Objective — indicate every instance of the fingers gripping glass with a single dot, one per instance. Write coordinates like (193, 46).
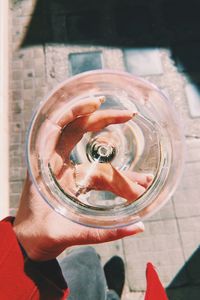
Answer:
(105, 149)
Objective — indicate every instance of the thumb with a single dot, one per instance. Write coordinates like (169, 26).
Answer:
(130, 230)
(106, 235)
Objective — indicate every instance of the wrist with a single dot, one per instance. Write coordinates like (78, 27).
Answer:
(25, 239)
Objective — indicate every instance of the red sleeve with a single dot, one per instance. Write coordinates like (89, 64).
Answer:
(155, 290)
(24, 279)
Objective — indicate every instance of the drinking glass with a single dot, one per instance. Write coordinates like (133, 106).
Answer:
(149, 144)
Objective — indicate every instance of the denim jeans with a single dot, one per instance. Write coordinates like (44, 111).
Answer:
(85, 276)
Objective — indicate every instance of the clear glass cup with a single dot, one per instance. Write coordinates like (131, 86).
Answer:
(151, 142)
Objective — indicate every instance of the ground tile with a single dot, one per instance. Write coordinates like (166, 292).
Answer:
(189, 233)
(143, 61)
(81, 62)
(192, 150)
(156, 244)
(193, 96)
(186, 197)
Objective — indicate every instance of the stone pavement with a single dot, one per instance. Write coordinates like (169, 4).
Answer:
(159, 42)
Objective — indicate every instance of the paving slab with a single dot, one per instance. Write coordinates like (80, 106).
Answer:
(160, 244)
(85, 61)
(189, 232)
(143, 61)
(193, 96)
(192, 149)
(186, 198)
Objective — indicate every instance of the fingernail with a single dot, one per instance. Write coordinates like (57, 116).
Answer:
(140, 226)
(102, 99)
(134, 114)
(150, 177)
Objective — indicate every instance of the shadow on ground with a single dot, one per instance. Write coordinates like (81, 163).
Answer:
(172, 24)
(186, 284)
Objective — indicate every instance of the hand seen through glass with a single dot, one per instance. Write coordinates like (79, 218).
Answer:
(43, 233)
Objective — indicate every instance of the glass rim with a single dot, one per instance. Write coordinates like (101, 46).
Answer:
(85, 218)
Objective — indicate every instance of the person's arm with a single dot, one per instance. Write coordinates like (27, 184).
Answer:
(24, 279)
